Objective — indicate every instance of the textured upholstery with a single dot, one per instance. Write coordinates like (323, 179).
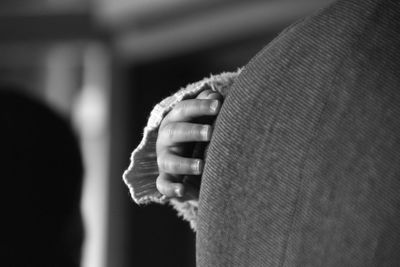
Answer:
(304, 165)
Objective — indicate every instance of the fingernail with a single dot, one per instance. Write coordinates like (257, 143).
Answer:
(214, 106)
(206, 132)
(198, 166)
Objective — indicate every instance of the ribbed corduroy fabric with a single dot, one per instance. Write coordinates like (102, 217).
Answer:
(304, 165)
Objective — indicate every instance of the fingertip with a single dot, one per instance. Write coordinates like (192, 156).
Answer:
(179, 190)
(204, 94)
(206, 132)
(168, 188)
(197, 166)
(214, 95)
(164, 186)
(214, 106)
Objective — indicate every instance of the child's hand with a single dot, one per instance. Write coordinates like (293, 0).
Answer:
(174, 146)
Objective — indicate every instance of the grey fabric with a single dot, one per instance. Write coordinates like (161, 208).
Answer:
(304, 165)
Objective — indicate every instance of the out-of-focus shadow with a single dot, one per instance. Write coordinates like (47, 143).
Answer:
(41, 174)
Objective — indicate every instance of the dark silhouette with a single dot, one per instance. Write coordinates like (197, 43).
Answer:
(41, 174)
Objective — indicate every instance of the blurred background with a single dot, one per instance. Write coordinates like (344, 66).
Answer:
(104, 64)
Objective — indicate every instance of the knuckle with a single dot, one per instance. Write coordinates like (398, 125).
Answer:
(159, 145)
(174, 166)
(161, 186)
(182, 107)
(168, 131)
(161, 163)
(168, 135)
(160, 140)
(165, 164)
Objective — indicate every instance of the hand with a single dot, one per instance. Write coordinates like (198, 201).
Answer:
(177, 133)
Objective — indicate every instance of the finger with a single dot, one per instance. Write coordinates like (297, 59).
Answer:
(168, 187)
(187, 110)
(209, 94)
(176, 165)
(178, 132)
(204, 94)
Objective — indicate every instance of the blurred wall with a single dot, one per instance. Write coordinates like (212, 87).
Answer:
(105, 64)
